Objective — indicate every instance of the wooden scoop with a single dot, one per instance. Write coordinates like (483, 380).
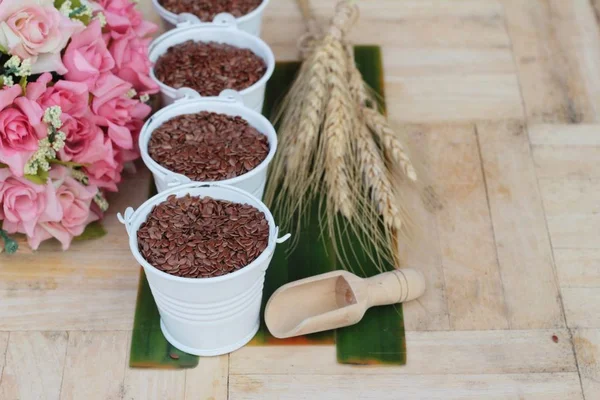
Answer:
(336, 299)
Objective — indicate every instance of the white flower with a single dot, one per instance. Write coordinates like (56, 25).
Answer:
(7, 80)
(102, 18)
(39, 160)
(31, 167)
(80, 176)
(101, 201)
(82, 11)
(59, 141)
(131, 93)
(25, 68)
(52, 116)
(65, 8)
(144, 98)
(13, 62)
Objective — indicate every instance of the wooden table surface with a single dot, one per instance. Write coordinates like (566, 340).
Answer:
(503, 98)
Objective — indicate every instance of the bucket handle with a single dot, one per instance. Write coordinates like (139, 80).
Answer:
(224, 20)
(186, 93)
(278, 240)
(126, 219)
(283, 239)
(231, 95)
(226, 96)
(176, 180)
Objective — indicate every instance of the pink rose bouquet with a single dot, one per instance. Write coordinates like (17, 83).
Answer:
(74, 83)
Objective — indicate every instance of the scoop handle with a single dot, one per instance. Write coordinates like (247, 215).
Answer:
(398, 286)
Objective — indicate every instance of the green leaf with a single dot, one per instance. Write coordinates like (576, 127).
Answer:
(94, 230)
(10, 245)
(3, 165)
(74, 3)
(41, 178)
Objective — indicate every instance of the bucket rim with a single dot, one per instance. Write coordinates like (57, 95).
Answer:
(182, 189)
(172, 17)
(194, 32)
(146, 134)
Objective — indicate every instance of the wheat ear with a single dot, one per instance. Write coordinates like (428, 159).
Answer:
(392, 144)
(340, 120)
(306, 126)
(376, 179)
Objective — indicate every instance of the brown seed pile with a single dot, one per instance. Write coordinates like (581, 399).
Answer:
(208, 146)
(206, 10)
(209, 67)
(200, 237)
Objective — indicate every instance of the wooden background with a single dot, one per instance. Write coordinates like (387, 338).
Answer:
(503, 98)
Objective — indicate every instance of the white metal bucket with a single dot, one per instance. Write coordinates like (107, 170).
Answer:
(229, 103)
(251, 22)
(206, 316)
(222, 30)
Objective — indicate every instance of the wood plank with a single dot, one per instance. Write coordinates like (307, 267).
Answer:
(578, 267)
(95, 366)
(465, 352)
(564, 135)
(581, 307)
(409, 25)
(554, 386)
(554, 162)
(394, 9)
(524, 250)
(556, 44)
(152, 384)
(431, 60)
(209, 380)
(587, 349)
(34, 365)
(73, 309)
(112, 270)
(473, 283)
(573, 211)
(453, 98)
(575, 231)
(423, 251)
(564, 197)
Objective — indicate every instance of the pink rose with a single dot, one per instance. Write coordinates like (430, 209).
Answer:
(85, 142)
(74, 200)
(87, 57)
(71, 97)
(21, 127)
(24, 204)
(126, 155)
(131, 62)
(37, 88)
(121, 16)
(115, 110)
(36, 30)
(104, 174)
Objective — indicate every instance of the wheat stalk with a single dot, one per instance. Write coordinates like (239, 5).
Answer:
(340, 120)
(305, 127)
(376, 179)
(392, 144)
